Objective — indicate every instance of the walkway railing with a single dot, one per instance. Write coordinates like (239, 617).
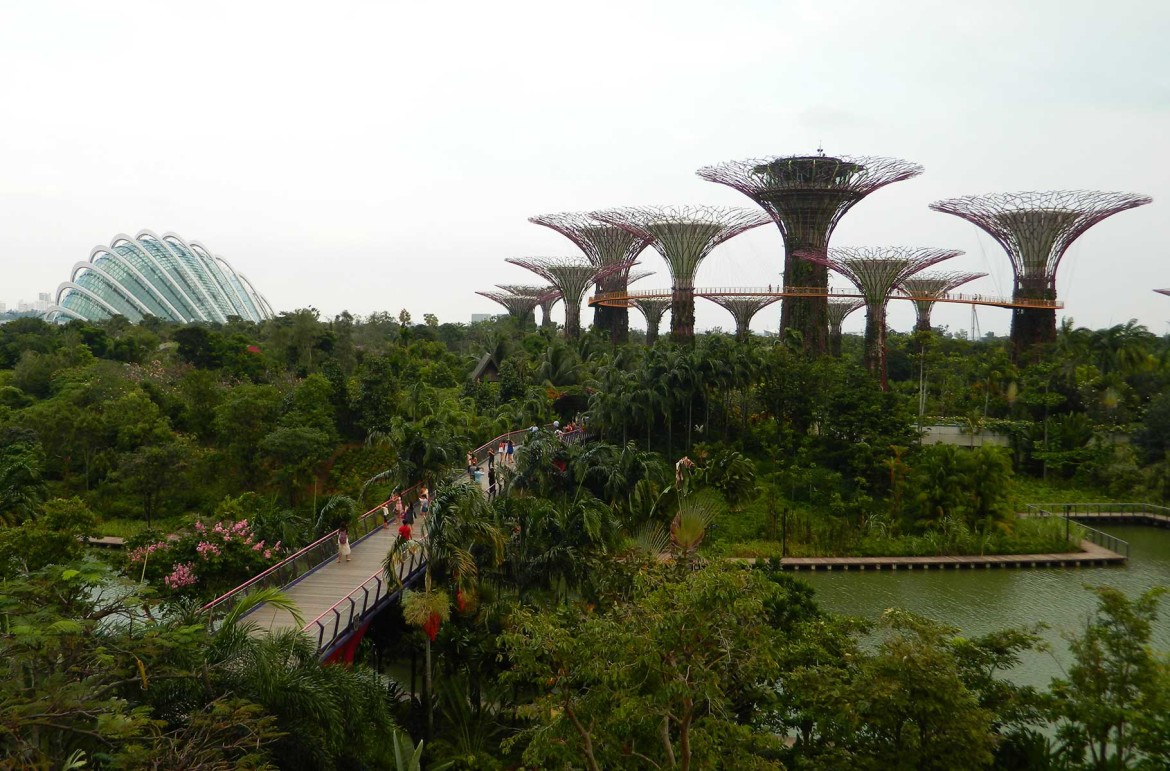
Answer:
(374, 592)
(623, 298)
(1066, 512)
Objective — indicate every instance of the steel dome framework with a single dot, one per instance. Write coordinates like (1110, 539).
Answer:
(152, 275)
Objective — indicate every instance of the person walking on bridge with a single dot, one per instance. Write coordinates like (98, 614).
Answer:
(343, 549)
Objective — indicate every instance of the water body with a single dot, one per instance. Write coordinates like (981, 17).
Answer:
(983, 600)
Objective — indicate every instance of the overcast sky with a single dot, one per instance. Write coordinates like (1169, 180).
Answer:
(380, 155)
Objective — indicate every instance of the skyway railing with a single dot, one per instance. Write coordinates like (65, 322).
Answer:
(1070, 511)
(627, 297)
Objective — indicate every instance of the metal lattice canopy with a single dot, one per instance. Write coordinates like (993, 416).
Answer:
(571, 276)
(1163, 291)
(520, 306)
(603, 244)
(806, 196)
(742, 309)
(539, 293)
(875, 271)
(653, 309)
(924, 290)
(839, 310)
(684, 236)
(1037, 228)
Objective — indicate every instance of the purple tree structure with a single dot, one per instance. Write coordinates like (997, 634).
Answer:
(925, 289)
(1163, 291)
(653, 308)
(546, 297)
(742, 309)
(1036, 229)
(571, 276)
(875, 271)
(519, 306)
(604, 245)
(684, 236)
(839, 310)
(807, 196)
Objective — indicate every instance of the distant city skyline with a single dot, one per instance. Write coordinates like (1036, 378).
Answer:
(372, 157)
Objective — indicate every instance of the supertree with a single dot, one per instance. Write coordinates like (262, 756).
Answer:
(925, 289)
(519, 306)
(1036, 229)
(839, 310)
(684, 236)
(653, 308)
(807, 196)
(875, 271)
(546, 297)
(1163, 291)
(571, 276)
(604, 245)
(742, 309)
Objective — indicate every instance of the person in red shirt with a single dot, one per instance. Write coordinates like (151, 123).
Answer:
(404, 532)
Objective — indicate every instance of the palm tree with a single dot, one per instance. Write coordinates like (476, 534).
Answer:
(461, 523)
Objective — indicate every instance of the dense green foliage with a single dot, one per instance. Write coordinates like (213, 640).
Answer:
(581, 618)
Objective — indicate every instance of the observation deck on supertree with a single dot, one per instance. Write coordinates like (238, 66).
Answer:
(839, 310)
(742, 309)
(571, 276)
(924, 291)
(684, 236)
(519, 306)
(806, 196)
(546, 297)
(1036, 229)
(604, 245)
(876, 271)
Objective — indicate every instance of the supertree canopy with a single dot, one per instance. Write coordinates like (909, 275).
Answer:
(546, 298)
(684, 236)
(742, 309)
(806, 196)
(1163, 291)
(518, 305)
(604, 245)
(839, 310)
(653, 308)
(571, 276)
(875, 271)
(1036, 229)
(925, 289)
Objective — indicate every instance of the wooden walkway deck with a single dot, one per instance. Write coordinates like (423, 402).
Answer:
(1091, 556)
(1133, 517)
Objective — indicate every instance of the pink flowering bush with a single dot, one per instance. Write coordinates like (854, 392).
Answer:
(205, 561)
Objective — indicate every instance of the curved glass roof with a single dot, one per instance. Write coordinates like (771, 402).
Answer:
(164, 276)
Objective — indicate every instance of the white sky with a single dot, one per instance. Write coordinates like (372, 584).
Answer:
(380, 155)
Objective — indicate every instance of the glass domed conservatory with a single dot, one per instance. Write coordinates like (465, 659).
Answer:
(151, 275)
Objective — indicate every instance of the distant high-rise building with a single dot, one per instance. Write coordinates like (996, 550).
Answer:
(478, 317)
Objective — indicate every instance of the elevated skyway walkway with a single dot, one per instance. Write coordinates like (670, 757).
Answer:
(624, 299)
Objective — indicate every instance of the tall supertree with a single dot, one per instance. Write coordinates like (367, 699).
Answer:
(571, 276)
(684, 236)
(807, 196)
(742, 309)
(875, 271)
(653, 308)
(604, 245)
(1036, 229)
(519, 306)
(546, 297)
(925, 289)
(839, 310)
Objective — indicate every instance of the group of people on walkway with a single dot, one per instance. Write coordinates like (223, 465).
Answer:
(403, 514)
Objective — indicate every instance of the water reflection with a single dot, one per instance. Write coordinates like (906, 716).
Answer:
(980, 601)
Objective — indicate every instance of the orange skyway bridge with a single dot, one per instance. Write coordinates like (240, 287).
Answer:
(627, 298)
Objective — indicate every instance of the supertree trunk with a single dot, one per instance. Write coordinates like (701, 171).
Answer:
(682, 315)
(808, 316)
(875, 343)
(1033, 326)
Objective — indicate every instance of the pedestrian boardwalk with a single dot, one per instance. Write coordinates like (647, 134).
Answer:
(317, 592)
(1091, 555)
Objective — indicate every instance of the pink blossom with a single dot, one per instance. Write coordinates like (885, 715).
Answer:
(257, 547)
(267, 554)
(182, 574)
